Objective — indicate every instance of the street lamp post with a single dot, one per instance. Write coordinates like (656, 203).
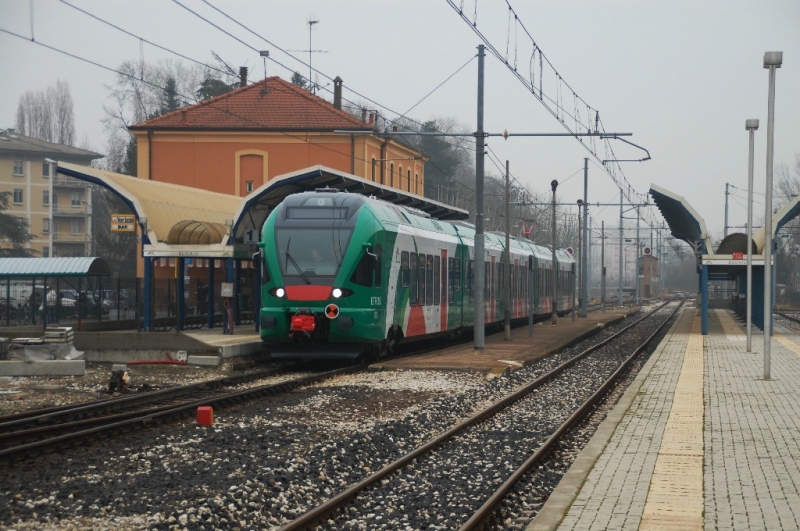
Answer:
(554, 319)
(752, 126)
(772, 60)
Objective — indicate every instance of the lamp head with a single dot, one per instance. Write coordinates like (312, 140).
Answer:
(773, 59)
(751, 124)
(554, 185)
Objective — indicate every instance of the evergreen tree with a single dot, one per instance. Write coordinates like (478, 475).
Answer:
(170, 101)
(13, 231)
(300, 81)
(131, 158)
(211, 87)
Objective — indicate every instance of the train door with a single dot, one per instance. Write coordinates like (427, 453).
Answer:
(493, 290)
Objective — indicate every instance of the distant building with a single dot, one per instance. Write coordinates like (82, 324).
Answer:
(236, 142)
(58, 209)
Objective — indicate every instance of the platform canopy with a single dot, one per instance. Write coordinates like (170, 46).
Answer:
(53, 267)
(787, 213)
(190, 215)
(683, 220)
(255, 208)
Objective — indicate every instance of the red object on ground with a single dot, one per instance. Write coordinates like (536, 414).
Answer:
(303, 323)
(157, 362)
(205, 415)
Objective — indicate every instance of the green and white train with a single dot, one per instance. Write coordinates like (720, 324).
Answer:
(347, 276)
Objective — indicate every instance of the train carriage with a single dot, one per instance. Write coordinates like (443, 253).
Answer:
(346, 275)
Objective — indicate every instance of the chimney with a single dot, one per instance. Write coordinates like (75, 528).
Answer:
(337, 93)
(363, 114)
(242, 76)
(372, 117)
(394, 128)
(184, 117)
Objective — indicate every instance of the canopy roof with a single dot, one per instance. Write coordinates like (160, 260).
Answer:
(53, 267)
(255, 208)
(683, 220)
(786, 214)
(160, 206)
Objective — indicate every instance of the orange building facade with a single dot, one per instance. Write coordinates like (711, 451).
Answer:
(236, 142)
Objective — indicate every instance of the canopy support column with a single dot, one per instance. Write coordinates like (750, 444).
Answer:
(148, 292)
(181, 289)
(211, 263)
(704, 297)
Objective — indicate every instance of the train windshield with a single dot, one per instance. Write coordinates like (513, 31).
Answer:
(311, 255)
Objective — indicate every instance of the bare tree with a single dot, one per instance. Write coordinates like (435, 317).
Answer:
(48, 115)
(139, 93)
(787, 180)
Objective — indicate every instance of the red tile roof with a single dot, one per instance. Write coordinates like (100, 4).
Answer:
(272, 104)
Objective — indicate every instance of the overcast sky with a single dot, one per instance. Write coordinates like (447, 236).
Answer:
(681, 76)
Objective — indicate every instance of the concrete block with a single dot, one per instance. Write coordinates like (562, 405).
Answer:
(206, 361)
(43, 368)
(241, 349)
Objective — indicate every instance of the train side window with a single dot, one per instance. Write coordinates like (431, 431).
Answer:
(457, 274)
(497, 270)
(487, 280)
(451, 278)
(469, 278)
(404, 272)
(413, 295)
(429, 281)
(437, 280)
(363, 273)
(421, 280)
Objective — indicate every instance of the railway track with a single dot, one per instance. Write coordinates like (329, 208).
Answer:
(30, 433)
(385, 490)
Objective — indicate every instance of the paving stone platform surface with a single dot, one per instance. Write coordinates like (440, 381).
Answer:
(700, 440)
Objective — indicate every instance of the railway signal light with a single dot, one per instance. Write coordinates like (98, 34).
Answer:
(647, 251)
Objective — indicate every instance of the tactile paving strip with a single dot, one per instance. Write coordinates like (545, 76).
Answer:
(675, 498)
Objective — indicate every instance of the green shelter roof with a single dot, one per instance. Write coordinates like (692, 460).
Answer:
(53, 267)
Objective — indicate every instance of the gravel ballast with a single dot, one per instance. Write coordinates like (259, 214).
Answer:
(266, 462)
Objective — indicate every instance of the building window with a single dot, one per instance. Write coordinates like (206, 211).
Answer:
(76, 199)
(45, 251)
(249, 185)
(400, 177)
(46, 226)
(46, 167)
(409, 180)
(373, 168)
(46, 197)
(55, 229)
(416, 183)
(18, 197)
(391, 174)
(76, 226)
(18, 167)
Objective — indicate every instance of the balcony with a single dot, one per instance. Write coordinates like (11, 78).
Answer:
(67, 237)
(69, 182)
(69, 210)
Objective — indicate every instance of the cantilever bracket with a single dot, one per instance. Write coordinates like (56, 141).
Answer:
(604, 137)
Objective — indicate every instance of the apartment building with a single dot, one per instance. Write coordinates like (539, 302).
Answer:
(58, 209)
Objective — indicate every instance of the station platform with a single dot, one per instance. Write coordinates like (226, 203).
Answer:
(500, 357)
(699, 440)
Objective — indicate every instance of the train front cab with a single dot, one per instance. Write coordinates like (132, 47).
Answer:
(323, 279)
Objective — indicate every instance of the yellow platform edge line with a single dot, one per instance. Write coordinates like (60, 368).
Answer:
(676, 501)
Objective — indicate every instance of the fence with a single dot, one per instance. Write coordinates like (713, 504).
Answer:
(77, 300)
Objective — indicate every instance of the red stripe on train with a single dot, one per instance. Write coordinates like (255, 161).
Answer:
(308, 293)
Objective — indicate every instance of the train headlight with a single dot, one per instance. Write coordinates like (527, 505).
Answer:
(278, 292)
(340, 293)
